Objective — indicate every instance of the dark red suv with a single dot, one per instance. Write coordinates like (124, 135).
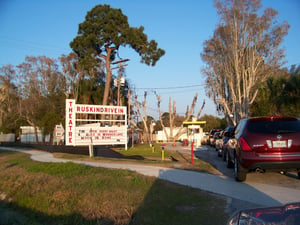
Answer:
(265, 143)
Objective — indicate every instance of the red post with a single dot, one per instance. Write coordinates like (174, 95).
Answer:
(192, 152)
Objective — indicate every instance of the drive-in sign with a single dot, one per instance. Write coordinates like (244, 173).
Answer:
(95, 124)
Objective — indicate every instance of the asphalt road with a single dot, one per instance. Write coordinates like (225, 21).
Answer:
(289, 180)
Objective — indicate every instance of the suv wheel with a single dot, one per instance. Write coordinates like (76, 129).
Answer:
(224, 153)
(228, 161)
(240, 173)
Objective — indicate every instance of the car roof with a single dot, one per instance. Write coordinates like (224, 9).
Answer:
(272, 118)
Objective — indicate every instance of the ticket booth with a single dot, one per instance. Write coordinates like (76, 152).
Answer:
(195, 132)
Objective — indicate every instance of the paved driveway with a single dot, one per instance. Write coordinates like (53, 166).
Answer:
(290, 180)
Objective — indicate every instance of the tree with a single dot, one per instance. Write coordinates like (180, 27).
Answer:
(42, 93)
(243, 52)
(73, 73)
(172, 120)
(145, 118)
(213, 122)
(9, 117)
(100, 36)
(291, 92)
(279, 95)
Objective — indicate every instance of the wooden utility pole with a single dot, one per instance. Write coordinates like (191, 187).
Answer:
(120, 66)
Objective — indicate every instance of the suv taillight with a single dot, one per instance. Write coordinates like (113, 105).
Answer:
(244, 145)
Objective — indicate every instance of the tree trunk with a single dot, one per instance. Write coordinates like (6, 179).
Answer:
(108, 77)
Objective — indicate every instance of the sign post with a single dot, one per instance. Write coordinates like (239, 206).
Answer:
(192, 152)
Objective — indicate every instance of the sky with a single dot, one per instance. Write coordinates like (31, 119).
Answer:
(46, 28)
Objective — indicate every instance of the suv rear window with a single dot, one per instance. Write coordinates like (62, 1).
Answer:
(274, 127)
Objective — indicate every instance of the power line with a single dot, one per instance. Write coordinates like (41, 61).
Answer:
(32, 44)
(177, 87)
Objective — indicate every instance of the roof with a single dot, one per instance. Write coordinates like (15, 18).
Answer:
(194, 122)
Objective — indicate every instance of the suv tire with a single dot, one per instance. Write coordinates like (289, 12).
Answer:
(228, 161)
(240, 173)
(224, 153)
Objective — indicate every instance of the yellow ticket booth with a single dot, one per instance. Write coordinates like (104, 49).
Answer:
(194, 132)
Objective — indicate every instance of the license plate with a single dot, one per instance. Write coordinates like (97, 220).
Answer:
(279, 144)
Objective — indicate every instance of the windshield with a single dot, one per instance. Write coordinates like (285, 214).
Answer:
(289, 214)
(274, 127)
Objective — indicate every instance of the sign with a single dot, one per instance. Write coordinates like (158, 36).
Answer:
(101, 135)
(59, 131)
(70, 122)
(99, 125)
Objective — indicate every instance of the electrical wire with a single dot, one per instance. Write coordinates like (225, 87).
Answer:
(29, 45)
(176, 87)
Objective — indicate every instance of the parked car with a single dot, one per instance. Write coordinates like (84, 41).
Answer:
(219, 142)
(285, 214)
(227, 134)
(216, 139)
(211, 136)
(265, 143)
(205, 138)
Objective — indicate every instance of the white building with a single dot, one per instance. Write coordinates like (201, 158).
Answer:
(192, 132)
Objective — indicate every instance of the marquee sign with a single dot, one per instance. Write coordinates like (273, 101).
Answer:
(95, 124)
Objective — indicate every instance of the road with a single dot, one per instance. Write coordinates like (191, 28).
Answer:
(290, 180)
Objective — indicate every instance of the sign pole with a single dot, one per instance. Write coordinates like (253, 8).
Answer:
(192, 152)
(91, 148)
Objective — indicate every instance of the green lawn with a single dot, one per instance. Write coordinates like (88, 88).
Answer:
(144, 154)
(67, 193)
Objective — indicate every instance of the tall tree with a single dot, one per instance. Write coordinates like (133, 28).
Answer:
(73, 73)
(8, 100)
(172, 120)
(43, 93)
(100, 36)
(244, 51)
(291, 92)
(279, 95)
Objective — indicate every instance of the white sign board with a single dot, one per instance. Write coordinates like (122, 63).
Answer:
(91, 128)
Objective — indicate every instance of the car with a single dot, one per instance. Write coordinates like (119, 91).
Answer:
(216, 138)
(265, 143)
(211, 136)
(219, 142)
(227, 134)
(205, 138)
(282, 214)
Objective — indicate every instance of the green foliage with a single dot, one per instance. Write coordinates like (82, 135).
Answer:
(213, 122)
(105, 27)
(91, 91)
(9, 99)
(279, 95)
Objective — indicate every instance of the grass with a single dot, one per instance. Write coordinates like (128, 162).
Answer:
(144, 154)
(67, 193)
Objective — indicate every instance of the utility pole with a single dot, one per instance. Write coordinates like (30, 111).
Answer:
(120, 66)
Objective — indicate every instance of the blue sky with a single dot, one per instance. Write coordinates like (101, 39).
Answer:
(35, 28)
